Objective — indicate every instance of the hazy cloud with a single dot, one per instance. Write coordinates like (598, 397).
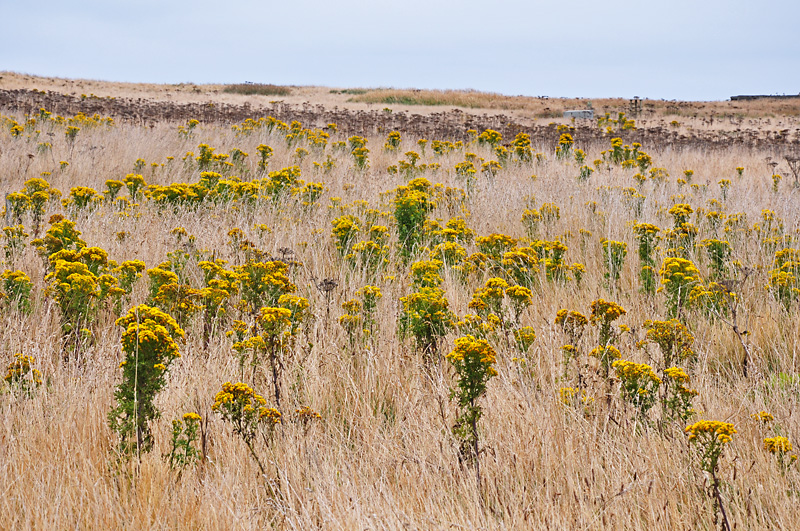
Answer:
(679, 49)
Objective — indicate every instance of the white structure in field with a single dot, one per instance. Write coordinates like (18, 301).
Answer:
(585, 114)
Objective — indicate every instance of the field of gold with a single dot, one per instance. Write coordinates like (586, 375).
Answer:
(284, 324)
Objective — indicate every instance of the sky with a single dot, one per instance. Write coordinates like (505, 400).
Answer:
(682, 49)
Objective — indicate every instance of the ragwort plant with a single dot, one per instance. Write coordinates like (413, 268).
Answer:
(781, 448)
(564, 148)
(427, 317)
(16, 292)
(221, 285)
(473, 360)
(674, 341)
(62, 235)
(370, 295)
(412, 205)
(351, 320)
(185, 434)
(263, 283)
(279, 327)
(573, 324)
(719, 253)
(678, 277)
(21, 376)
(170, 289)
(247, 412)
(359, 320)
(149, 342)
(639, 385)
(524, 336)
(80, 283)
(784, 279)
(647, 237)
(345, 229)
(677, 396)
(614, 258)
(576, 399)
(15, 242)
(604, 313)
(127, 273)
(709, 438)
(522, 266)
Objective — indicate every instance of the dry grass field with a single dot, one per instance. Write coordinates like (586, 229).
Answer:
(257, 238)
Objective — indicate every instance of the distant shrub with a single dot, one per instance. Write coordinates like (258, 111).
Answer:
(260, 89)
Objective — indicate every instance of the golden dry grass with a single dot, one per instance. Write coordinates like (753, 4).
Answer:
(383, 456)
(547, 107)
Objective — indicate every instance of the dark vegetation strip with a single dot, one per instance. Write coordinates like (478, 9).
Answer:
(450, 125)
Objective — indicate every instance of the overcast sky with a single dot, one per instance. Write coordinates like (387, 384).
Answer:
(683, 49)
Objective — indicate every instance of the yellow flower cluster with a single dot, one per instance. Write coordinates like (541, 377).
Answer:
(351, 321)
(610, 246)
(82, 197)
(495, 245)
(191, 417)
(456, 230)
(489, 299)
(16, 276)
(305, 414)
(550, 212)
(606, 311)
(570, 396)
(20, 368)
(606, 353)
(677, 374)
(525, 337)
(763, 416)
(15, 288)
(449, 252)
(520, 296)
(522, 264)
(672, 337)
(570, 320)
(425, 273)
(370, 295)
(470, 349)
(150, 335)
(274, 321)
(721, 431)
(491, 137)
(522, 147)
(531, 219)
(630, 370)
(270, 414)
(569, 351)
(646, 229)
(777, 445)
(784, 279)
(240, 394)
(680, 213)
(678, 273)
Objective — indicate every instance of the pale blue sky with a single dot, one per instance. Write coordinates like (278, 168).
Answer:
(684, 49)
